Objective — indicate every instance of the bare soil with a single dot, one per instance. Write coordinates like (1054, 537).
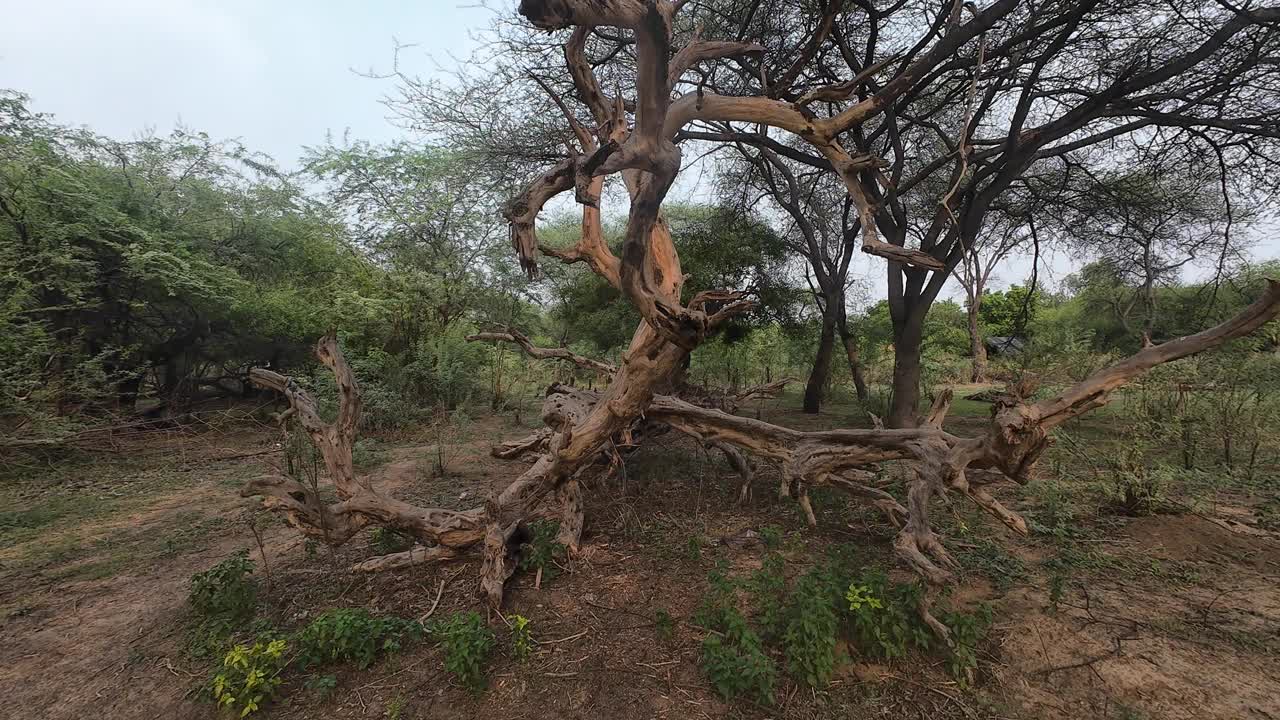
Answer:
(1166, 616)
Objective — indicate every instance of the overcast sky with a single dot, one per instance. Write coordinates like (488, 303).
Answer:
(277, 74)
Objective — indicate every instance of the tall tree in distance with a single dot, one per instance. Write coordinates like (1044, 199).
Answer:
(823, 232)
(1003, 237)
(1147, 225)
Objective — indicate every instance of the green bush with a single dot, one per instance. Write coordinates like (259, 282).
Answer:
(768, 589)
(227, 590)
(718, 602)
(353, 634)
(249, 677)
(885, 617)
(809, 640)
(734, 660)
(467, 642)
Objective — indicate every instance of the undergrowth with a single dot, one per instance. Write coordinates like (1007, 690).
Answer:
(353, 635)
(541, 550)
(802, 623)
(467, 642)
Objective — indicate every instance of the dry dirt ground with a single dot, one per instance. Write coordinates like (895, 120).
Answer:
(1163, 616)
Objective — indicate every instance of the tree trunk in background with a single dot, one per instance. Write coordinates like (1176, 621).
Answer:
(127, 392)
(977, 348)
(906, 373)
(821, 367)
(850, 343)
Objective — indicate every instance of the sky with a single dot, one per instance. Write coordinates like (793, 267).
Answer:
(277, 74)
(280, 75)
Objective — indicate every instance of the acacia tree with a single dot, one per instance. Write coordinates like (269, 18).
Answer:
(826, 240)
(928, 123)
(974, 273)
(632, 137)
(1146, 225)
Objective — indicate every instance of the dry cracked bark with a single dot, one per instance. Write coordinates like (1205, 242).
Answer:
(581, 425)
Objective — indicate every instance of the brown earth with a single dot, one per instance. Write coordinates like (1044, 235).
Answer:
(1170, 616)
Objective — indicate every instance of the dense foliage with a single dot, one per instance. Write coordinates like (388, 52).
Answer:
(149, 275)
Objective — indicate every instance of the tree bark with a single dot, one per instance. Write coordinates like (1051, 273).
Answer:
(906, 372)
(821, 367)
(850, 342)
(977, 345)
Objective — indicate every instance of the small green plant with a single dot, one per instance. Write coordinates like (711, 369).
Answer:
(388, 541)
(1057, 589)
(249, 677)
(772, 537)
(1054, 516)
(227, 589)
(321, 685)
(467, 642)
(884, 616)
(394, 708)
(693, 548)
(967, 630)
(718, 602)
(991, 559)
(210, 637)
(664, 625)
(521, 639)
(541, 550)
(352, 634)
(809, 640)
(734, 660)
(768, 588)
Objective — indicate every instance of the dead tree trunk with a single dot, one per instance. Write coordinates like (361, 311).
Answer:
(1018, 434)
(581, 424)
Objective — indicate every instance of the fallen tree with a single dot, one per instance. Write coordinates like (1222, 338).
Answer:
(582, 425)
(941, 462)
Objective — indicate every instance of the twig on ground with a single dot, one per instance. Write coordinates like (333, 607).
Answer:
(434, 604)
